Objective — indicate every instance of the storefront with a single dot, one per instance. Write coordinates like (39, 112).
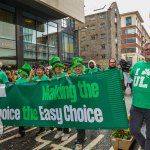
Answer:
(28, 34)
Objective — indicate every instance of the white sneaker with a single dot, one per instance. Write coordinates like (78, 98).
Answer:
(140, 148)
(65, 137)
(58, 135)
(18, 135)
(78, 147)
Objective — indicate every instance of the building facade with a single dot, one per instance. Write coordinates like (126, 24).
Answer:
(100, 36)
(134, 36)
(35, 31)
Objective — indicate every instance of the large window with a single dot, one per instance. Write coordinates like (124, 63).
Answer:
(130, 60)
(131, 40)
(29, 37)
(40, 39)
(7, 34)
(128, 21)
(67, 46)
(131, 50)
(67, 22)
(131, 31)
(52, 39)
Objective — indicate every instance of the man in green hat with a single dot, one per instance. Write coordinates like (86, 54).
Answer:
(3, 76)
(58, 69)
(24, 73)
(78, 71)
(54, 60)
(76, 60)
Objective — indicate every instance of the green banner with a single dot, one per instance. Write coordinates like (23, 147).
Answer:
(84, 102)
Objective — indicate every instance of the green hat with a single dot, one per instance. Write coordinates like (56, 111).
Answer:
(58, 65)
(76, 64)
(54, 60)
(26, 68)
(76, 60)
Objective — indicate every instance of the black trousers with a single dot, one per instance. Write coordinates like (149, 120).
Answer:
(22, 130)
(66, 130)
(80, 135)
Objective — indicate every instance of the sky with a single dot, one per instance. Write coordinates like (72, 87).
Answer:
(124, 6)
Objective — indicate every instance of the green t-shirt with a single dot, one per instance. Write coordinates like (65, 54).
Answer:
(54, 77)
(22, 80)
(140, 74)
(73, 74)
(44, 78)
(91, 71)
(121, 73)
(3, 77)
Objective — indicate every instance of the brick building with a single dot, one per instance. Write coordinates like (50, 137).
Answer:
(134, 36)
(100, 36)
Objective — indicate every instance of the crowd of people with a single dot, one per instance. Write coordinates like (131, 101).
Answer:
(56, 71)
(140, 110)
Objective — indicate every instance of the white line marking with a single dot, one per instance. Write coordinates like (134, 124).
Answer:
(11, 137)
(45, 142)
(59, 147)
(6, 128)
(10, 130)
(94, 142)
(69, 140)
(111, 148)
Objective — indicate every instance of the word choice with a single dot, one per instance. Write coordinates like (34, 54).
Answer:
(82, 114)
(9, 114)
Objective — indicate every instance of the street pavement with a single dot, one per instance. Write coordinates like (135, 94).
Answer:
(96, 139)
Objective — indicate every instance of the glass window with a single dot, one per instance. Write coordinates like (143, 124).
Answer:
(102, 35)
(131, 50)
(102, 25)
(93, 37)
(103, 46)
(42, 39)
(128, 21)
(67, 22)
(103, 56)
(7, 33)
(8, 62)
(102, 16)
(29, 38)
(130, 60)
(52, 39)
(131, 31)
(131, 40)
(67, 46)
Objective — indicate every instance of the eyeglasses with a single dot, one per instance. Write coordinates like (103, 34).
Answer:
(147, 50)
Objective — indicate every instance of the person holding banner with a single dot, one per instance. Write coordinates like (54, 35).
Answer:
(58, 69)
(112, 65)
(140, 110)
(78, 71)
(3, 76)
(40, 76)
(24, 72)
(92, 68)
